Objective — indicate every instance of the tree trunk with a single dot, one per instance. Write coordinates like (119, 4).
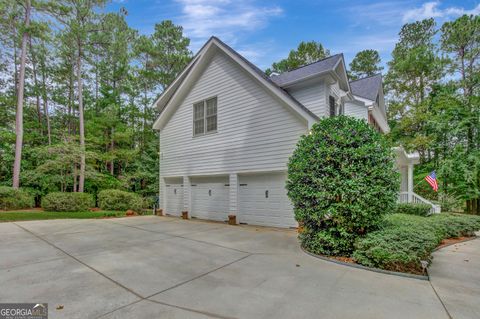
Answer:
(35, 83)
(19, 115)
(81, 180)
(75, 188)
(45, 104)
(70, 103)
(112, 146)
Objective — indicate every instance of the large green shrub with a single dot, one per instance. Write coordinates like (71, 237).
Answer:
(67, 202)
(114, 199)
(11, 198)
(405, 240)
(413, 209)
(341, 181)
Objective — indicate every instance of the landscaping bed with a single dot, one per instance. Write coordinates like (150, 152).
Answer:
(404, 241)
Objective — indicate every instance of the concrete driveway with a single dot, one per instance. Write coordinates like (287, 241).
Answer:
(161, 267)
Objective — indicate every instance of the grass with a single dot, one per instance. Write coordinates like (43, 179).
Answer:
(11, 216)
(405, 240)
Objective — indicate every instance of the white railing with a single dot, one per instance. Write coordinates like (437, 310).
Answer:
(406, 197)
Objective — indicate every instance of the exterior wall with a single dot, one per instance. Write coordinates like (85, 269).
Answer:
(334, 90)
(355, 110)
(255, 132)
(313, 97)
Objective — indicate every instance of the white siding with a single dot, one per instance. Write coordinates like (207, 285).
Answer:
(313, 97)
(355, 110)
(335, 90)
(255, 132)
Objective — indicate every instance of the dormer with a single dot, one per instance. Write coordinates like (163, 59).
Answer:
(322, 86)
(370, 91)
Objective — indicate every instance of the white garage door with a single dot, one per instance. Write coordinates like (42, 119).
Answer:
(263, 201)
(210, 198)
(174, 192)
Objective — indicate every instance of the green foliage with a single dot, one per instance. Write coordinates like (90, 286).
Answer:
(405, 240)
(366, 63)
(413, 209)
(341, 181)
(114, 199)
(11, 198)
(306, 52)
(67, 202)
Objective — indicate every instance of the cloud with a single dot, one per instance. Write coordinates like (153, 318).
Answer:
(432, 10)
(223, 18)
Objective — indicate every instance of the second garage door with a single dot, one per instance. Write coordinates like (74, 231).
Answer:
(210, 198)
(263, 201)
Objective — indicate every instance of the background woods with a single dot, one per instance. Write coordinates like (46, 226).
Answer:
(77, 85)
(87, 81)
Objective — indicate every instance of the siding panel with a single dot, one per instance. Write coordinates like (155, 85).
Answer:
(313, 97)
(255, 132)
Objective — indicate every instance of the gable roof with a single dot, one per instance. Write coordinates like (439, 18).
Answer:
(179, 83)
(368, 87)
(307, 71)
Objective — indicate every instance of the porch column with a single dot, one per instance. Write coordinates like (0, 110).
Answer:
(233, 196)
(187, 195)
(410, 182)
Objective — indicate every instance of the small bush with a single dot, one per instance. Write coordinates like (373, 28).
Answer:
(405, 240)
(67, 202)
(413, 209)
(114, 199)
(11, 198)
(342, 180)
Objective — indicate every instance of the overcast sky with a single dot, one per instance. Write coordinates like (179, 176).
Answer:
(265, 31)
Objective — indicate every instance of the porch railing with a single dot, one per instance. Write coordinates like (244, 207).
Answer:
(417, 199)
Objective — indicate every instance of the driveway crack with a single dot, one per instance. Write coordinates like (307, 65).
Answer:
(81, 262)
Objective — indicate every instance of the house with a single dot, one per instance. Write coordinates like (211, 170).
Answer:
(227, 131)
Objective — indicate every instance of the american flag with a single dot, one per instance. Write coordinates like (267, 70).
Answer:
(432, 180)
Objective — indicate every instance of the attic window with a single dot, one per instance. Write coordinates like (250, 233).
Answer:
(205, 117)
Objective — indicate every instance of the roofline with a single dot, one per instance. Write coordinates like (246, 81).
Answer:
(367, 77)
(305, 65)
(300, 109)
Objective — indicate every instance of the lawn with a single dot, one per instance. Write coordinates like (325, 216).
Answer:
(11, 216)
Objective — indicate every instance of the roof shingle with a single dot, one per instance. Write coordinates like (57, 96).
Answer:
(367, 87)
(307, 71)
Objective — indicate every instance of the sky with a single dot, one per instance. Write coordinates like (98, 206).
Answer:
(265, 31)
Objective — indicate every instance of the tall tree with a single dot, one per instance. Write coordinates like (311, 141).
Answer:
(366, 63)
(415, 67)
(170, 51)
(20, 92)
(306, 52)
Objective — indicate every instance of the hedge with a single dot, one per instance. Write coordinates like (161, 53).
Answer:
(114, 199)
(341, 181)
(405, 240)
(11, 198)
(413, 209)
(67, 202)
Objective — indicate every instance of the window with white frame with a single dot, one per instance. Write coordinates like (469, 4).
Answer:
(205, 116)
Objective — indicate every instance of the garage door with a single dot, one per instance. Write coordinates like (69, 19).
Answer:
(210, 198)
(263, 201)
(174, 192)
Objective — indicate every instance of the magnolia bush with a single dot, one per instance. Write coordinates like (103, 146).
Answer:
(342, 180)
